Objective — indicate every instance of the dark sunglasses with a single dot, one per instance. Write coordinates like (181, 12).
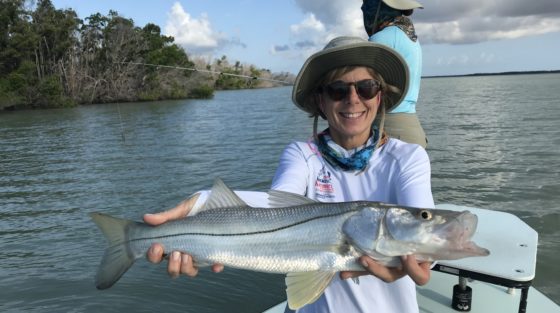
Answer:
(366, 89)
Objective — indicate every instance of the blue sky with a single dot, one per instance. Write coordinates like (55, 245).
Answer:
(458, 37)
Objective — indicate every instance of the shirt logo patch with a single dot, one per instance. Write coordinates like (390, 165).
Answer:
(323, 185)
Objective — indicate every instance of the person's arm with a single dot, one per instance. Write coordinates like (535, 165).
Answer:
(414, 186)
(292, 172)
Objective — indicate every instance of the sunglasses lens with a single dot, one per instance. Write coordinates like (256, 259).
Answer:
(366, 89)
(338, 90)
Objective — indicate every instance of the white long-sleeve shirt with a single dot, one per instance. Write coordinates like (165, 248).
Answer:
(397, 173)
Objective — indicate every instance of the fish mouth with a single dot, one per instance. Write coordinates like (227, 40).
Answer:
(460, 232)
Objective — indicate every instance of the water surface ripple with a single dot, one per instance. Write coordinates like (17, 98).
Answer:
(494, 143)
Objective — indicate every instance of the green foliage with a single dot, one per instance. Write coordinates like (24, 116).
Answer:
(149, 95)
(51, 95)
(50, 58)
(202, 92)
(17, 41)
(8, 97)
(19, 86)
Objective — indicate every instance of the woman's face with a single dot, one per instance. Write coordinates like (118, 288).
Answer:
(351, 117)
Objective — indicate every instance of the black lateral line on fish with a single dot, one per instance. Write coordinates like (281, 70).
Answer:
(242, 234)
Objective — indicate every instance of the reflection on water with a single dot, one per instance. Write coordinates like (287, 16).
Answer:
(493, 142)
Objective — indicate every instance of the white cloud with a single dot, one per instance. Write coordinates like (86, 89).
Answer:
(343, 17)
(193, 34)
(444, 21)
(309, 24)
(474, 21)
(481, 29)
(323, 20)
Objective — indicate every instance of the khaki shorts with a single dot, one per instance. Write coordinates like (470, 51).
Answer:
(406, 127)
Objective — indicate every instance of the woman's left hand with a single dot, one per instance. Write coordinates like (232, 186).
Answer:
(419, 272)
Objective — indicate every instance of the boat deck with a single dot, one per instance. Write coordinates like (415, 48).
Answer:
(435, 297)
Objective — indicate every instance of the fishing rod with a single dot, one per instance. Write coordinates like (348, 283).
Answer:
(193, 69)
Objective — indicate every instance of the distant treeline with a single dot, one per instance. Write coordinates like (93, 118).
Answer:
(499, 73)
(52, 58)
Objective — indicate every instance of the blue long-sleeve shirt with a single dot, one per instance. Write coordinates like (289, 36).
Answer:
(394, 37)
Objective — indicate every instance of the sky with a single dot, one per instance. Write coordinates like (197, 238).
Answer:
(457, 36)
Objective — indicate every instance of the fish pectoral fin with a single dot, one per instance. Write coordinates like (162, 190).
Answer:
(306, 287)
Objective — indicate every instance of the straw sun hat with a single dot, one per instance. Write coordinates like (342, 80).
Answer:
(350, 51)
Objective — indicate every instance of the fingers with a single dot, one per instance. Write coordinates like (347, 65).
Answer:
(419, 272)
(386, 274)
(217, 268)
(155, 253)
(180, 263)
(179, 211)
(352, 274)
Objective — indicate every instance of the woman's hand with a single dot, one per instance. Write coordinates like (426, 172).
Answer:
(419, 272)
(179, 263)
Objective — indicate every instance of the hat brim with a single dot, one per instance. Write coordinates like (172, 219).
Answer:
(382, 59)
(403, 4)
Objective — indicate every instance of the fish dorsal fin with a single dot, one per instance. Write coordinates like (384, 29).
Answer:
(280, 199)
(221, 197)
(306, 287)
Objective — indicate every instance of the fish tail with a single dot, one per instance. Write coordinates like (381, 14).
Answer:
(117, 258)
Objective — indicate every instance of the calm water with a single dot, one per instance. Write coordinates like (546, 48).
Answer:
(494, 143)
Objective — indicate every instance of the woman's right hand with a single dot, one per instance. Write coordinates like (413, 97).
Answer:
(179, 263)
(418, 272)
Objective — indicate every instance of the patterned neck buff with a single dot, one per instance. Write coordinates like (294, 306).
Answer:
(378, 15)
(404, 23)
(358, 161)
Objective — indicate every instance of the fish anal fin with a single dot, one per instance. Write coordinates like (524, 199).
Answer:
(306, 287)
(221, 196)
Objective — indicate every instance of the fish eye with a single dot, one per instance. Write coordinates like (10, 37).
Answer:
(425, 215)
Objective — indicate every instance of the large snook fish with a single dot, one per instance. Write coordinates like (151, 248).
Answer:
(310, 241)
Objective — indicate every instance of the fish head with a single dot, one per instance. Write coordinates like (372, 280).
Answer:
(430, 233)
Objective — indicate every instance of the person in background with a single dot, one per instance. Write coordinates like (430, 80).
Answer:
(387, 22)
(350, 83)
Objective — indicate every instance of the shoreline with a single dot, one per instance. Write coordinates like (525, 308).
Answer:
(497, 74)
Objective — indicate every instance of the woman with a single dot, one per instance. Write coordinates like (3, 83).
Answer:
(387, 22)
(349, 83)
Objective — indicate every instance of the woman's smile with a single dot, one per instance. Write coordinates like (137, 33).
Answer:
(351, 116)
